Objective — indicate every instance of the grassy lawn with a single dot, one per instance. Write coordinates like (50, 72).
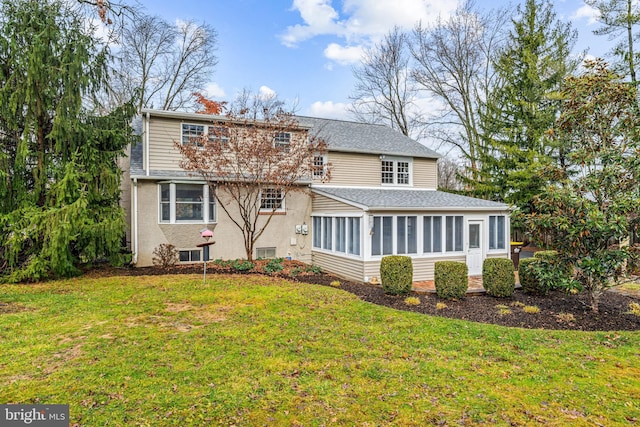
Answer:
(243, 350)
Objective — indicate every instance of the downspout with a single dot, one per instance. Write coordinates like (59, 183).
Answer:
(135, 221)
(146, 143)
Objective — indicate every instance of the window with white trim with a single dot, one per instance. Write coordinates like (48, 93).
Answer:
(382, 236)
(265, 253)
(219, 134)
(453, 233)
(337, 234)
(319, 166)
(497, 232)
(186, 203)
(272, 200)
(431, 234)
(396, 171)
(282, 140)
(192, 134)
(191, 255)
(407, 234)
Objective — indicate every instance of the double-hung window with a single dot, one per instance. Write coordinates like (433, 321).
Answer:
(282, 140)
(497, 232)
(218, 134)
(272, 200)
(396, 171)
(192, 134)
(319, 166)
(187, 203)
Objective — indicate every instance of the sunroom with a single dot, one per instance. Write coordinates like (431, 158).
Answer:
(353, 228)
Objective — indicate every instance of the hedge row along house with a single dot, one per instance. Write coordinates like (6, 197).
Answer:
(379, 199)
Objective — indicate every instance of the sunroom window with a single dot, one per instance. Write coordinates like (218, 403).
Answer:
(497, 232)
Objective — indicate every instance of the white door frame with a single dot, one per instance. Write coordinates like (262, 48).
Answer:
(476, 251)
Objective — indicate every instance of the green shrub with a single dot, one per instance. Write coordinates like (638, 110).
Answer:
(551, 272)
(274, 265)
(451, 279)
(396, 274)
(527, 275)
(497, 277)
(313, 269)
(242, 265)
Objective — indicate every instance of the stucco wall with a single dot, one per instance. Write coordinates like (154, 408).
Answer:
(229, 241)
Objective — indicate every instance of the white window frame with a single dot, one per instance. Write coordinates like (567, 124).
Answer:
(193, 135)
(494, 233)
(396, 173)
(282, 140)
(190, 253)
(208, 201)
(208, 131)
(319, 166)
(218, 133)
(332, 241)
(264, 198)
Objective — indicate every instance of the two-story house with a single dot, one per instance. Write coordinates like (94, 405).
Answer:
(381, 199)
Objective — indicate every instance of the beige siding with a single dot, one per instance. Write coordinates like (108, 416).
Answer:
(325, 204)
(425, 173)
(357, 169)
(347, 268)
(229, 242)
(163, 133)
(354, 169)
(423, 267)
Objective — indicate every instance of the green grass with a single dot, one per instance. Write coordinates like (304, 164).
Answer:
(244, 350)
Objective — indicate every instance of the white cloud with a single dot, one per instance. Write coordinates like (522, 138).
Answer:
(590, 13)
(266, 92)
(329, 110)
(344, 55)
(360, 22)
(319, 18)
(213, 90)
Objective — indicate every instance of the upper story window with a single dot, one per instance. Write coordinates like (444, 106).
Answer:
(218, 134)
(192, 134)
(272, 200)
(282, 140)
(195, 134)
(186, 203)
(396, 171)
(319, 166)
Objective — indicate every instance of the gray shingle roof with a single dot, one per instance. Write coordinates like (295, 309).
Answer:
(365, 138)
(384, 198)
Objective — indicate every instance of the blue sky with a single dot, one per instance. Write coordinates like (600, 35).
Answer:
(304, 50)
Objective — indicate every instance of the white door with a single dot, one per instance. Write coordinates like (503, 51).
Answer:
(474, 250)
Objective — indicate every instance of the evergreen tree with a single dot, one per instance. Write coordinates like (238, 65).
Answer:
(58, 162)
(532, 68)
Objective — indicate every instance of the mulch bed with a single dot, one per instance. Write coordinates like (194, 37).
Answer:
(558, 310)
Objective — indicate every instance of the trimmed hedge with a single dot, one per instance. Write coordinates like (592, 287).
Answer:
(527, 274)
(498, 277)
(451, 279)
(396, 274)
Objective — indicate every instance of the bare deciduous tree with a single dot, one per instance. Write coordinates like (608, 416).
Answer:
(453, 66)
(166, 63)
(384, 93)
(449, 172)
(245, 159)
